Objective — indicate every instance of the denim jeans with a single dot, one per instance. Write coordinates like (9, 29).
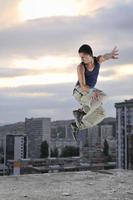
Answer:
(93, 108)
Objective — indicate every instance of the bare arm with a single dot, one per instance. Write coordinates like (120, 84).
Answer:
(81, 78)
(112, 55)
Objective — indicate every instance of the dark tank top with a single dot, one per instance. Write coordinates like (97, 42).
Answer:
(91, 76)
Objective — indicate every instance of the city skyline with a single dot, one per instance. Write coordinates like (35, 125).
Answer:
(38, 55)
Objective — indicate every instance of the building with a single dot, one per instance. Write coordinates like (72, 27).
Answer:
(37, 130)
(106, 132)
(93, 150)
(61, 135)
(124, 117)
(16, 147)
(13, 129)
(93, 136)
(108, 127)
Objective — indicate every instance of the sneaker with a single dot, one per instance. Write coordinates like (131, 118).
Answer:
(75, 130)
(78, 114)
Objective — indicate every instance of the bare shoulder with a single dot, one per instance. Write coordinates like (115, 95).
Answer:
(80, 67)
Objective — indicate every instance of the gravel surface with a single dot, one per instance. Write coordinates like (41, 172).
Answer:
(84, 185)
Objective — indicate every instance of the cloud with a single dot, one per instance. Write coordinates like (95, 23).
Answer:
(14, 101)
(64, 35)
(91, 7)
(117, 86)
(9, 13)
(55, 100)
(12, 11)
(12, 73)
(7, 72)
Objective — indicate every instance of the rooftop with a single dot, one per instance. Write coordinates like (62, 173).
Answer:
(126, 102)
(84, 185)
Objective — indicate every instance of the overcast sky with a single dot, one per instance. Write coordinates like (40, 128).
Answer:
(39, 42)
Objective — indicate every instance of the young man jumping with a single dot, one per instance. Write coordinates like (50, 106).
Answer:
(89, 97)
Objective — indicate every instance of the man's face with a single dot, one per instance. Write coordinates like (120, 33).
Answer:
(86, 58)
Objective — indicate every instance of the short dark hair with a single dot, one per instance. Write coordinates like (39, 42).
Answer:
(85, 48)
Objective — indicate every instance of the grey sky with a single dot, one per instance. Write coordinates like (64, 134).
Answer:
(62, 36)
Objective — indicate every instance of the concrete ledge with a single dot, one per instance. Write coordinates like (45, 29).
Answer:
(84, 185)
